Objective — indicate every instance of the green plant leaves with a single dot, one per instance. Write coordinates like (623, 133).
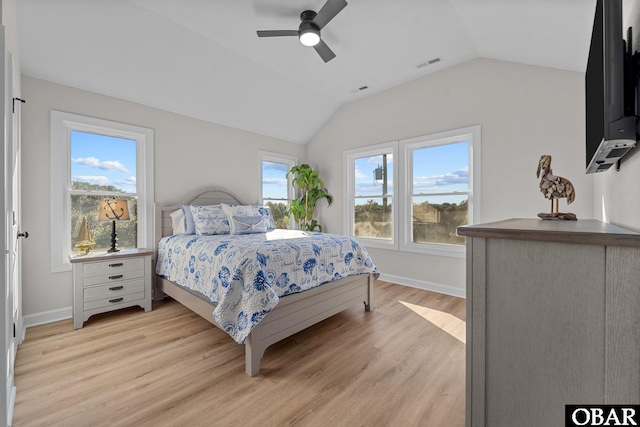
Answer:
(311, 190)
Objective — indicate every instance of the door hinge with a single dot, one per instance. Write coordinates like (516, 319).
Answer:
(13, 107)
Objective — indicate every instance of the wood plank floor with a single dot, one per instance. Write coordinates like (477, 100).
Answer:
(400, 365)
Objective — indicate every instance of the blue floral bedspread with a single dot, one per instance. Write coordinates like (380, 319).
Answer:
(245, 275)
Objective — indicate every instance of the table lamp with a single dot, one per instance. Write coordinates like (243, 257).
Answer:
(113, 210)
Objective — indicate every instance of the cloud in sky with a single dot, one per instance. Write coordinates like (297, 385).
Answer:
(108, 165)
(375, 160)
(95, 179)
(359, 174)
(460, 176)
(372, 190)
(275, 181)
(131, 181)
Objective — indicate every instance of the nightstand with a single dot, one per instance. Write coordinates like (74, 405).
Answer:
(110, 281)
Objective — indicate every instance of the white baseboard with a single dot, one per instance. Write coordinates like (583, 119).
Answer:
(67, 312)
(47, 317)
(427, 286)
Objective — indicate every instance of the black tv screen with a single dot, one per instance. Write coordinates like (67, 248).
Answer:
(610, 131)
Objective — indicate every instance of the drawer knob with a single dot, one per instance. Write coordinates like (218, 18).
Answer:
(116, 300)
(116, 288)
(118, 264)
(117, 276)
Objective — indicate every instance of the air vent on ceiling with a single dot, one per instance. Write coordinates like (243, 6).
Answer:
(361, 88)
(431, 61)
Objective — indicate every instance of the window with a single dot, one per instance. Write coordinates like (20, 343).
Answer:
(275, 188)
(93, 160)
(371, 214)
(437, 191)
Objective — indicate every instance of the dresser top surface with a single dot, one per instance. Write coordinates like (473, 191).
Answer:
(582, 231)
(104, 256)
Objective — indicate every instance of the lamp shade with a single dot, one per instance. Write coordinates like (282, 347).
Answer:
(114, 210)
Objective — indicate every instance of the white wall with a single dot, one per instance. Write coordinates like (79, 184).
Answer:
(9, 20)
(189, 154)
(524, 112)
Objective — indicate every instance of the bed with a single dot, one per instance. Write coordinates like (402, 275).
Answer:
(294, 309)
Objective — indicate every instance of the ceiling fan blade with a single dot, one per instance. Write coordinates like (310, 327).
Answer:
(329, 11)
(323, 50)
(277, 33)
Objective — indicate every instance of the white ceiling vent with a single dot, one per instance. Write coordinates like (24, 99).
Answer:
(361, 88)
(431, 61)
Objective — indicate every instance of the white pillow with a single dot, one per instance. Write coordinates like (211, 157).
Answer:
(209, 220)
(177, 222)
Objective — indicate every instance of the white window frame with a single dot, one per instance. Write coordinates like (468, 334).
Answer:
(290, 161)
(402, 197)
(349, 158)
(62, 124)
(469, 134)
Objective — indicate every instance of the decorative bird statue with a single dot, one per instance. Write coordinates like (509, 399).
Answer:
(554, 188)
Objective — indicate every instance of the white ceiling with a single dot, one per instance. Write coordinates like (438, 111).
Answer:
(202, 58)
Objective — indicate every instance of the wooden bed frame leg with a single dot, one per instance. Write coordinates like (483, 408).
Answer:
(158, 295)
(367, 303)
(253, 352)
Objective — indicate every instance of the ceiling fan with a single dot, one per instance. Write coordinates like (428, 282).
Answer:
(309, 30)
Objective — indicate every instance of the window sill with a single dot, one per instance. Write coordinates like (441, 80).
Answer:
(451, 251)
(368, 242)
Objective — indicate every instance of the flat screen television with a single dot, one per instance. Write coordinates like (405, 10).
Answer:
(610, 83)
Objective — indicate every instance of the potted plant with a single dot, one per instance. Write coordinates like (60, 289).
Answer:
(311, 189)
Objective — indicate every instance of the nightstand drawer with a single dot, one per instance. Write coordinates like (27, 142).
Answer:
(114, 290)
(112, 267)
(113, 302)
(107, 281)
(113, 277)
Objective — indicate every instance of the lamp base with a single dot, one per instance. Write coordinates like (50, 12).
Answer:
(114, 239)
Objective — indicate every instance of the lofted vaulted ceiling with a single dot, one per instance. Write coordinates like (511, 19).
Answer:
(202, 58)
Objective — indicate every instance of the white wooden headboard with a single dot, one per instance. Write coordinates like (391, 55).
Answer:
(207, 196)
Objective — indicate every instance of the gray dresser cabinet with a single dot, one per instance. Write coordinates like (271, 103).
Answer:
(553, 318)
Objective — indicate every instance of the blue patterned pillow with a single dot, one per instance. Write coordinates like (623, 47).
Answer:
(266, 214)
(209, 220)
(247, 224)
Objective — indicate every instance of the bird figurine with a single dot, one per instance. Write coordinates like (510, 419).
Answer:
(553, 188)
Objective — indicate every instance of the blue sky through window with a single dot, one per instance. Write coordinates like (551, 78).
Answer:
(103, 160)
(437, 169)
(441, 169)
(366, 185)
(274, 180)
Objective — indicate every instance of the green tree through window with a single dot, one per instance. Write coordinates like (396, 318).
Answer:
(103, 167)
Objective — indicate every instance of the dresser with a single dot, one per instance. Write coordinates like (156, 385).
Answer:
(553, 318)
(110, 281)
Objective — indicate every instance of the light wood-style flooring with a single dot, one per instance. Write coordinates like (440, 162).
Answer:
(403, 364)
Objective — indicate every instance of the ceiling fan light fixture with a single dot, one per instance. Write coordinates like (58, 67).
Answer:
(309, 35)
(309, 30)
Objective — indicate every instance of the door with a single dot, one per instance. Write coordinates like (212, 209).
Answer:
(17, 234)
(11, 261)
(14, 288)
